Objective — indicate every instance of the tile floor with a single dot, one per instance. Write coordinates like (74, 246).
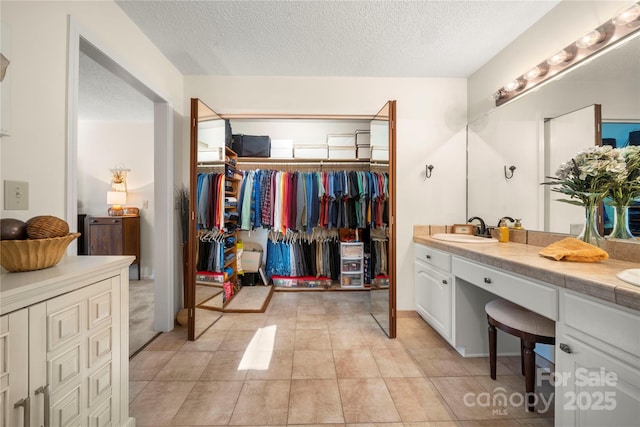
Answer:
(331, 365)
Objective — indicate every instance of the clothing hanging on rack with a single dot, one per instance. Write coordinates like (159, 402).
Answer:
(300, 254)
(284, 201)
(210, 201)
(211, 251)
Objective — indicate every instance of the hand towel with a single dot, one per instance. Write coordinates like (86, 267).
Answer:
(572, 249)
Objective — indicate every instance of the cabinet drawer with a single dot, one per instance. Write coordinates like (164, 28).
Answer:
(352, 265)
(351, 250)
(352, 280)
(607, 324)
(538, 298)
(433, 257)
(105, 221)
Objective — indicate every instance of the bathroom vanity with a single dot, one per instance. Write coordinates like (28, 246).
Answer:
(597, 315)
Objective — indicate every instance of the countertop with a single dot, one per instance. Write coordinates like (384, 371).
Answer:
(595, 279)
(19, 290)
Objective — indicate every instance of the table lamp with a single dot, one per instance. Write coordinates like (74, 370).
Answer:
(116, 199)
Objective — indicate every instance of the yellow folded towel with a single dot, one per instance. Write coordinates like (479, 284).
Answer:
(572, 249)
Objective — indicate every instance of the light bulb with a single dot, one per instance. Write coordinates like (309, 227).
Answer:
(513, 85)
(589, 39)
(533, 73)
(627, 15)
(558, 58)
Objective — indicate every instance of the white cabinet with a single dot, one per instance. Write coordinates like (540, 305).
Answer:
(597, 363)
(14, 368)
(65, 357)
(434, 289)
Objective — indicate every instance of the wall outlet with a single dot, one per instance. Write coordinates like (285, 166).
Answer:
(145, 204)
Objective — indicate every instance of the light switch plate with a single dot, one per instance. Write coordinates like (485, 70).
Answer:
(16, 195)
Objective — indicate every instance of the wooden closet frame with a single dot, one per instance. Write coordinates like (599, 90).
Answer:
(193, 162)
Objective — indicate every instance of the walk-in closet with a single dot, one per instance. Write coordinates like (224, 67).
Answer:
(306, 204)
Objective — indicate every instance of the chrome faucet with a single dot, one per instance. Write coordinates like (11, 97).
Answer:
(482, 229)
(506, 218)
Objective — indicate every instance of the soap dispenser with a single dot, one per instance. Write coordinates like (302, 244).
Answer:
(518, 224)
(503, 232)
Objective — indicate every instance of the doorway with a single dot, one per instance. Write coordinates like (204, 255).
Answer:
(161, 185)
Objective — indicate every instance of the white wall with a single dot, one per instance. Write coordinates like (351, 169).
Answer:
(564, 24)
(36, 150)
(102, 145)
(431, 116)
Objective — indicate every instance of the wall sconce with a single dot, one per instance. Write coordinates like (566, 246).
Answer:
(428, 170)
(119, 178)
(116, 199)
(620, 26)
(512, 169)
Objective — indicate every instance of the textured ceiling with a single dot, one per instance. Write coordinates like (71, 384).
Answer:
(333, 38)
(104, 96)
(309, 38)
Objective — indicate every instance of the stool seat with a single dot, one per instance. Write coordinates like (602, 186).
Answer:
(530, 327)
(520, 318)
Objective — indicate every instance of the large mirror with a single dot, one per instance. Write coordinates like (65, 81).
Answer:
(203, 298)
(383, 292)
(515, 135)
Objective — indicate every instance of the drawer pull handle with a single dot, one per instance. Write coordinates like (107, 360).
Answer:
(46, 390)
(487, 280)
(565, 347)
(26, 407)
(428, 256)
(444, 282)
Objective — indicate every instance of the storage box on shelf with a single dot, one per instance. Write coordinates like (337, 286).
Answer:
(281, 149)
(363, 144)
(311, 152)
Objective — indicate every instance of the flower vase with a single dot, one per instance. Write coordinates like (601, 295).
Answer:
(621, 224)
(590, 232)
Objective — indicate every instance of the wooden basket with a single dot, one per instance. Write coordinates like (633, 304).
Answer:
(34, 254)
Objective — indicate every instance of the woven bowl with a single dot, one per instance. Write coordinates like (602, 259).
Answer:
(33, 254)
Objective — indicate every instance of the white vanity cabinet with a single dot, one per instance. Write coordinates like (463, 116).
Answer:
(64, 358)
(597, 363)
(597, 351)
(434, 289)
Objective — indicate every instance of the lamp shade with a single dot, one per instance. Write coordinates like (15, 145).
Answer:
(116, 197)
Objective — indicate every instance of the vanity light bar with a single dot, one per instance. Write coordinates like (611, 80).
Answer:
(620, 26)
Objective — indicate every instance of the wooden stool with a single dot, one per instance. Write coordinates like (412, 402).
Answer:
(530, 327)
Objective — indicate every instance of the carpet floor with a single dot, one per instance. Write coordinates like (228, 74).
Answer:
(141, 306)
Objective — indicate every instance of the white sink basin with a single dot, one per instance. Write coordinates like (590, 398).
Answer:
(631, 275)
(462, 238)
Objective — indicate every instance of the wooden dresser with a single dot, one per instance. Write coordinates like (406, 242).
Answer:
(113, 235)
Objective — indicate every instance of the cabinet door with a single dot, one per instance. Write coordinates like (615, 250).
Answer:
(14, 367)
(593, 388)
(79, 354)
(433, 298)
(105, 236)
